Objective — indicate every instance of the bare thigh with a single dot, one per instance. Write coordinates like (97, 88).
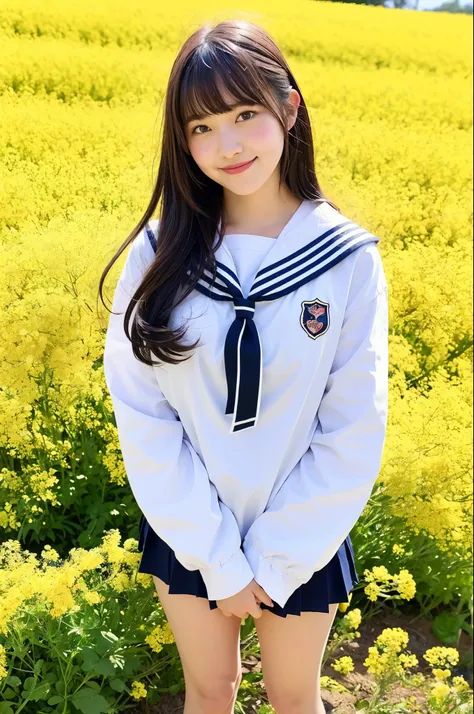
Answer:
(208, 643)
(291, 650)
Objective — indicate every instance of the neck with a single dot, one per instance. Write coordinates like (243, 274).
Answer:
(263, 212)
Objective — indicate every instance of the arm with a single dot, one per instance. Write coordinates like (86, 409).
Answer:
(166, 475)
(324, 495)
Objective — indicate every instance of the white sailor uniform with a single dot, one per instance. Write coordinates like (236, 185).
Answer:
(255, 457)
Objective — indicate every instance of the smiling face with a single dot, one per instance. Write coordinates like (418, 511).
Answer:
(246, 132)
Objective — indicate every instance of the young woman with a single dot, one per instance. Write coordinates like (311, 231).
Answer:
(246, 359)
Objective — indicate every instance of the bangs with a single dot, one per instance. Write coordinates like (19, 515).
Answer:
(214, 83)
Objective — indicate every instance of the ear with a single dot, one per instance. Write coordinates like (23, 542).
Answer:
(294, 100)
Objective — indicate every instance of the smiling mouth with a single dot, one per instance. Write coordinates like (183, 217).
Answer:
(238, 167)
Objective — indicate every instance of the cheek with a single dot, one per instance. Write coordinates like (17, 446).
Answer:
(201, 152)
(267, 135)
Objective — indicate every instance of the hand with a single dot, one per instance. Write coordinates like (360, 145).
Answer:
(246, 602)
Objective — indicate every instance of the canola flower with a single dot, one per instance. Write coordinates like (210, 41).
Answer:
(386, 656)
(390, 664)
(161, 635)
(59, 586)
(441, 656)
(138, 690)
(344, 665)
(381, 582)
(48, 588)
(3, 663)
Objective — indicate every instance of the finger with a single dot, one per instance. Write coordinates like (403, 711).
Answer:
(264, 597)
(268, 600)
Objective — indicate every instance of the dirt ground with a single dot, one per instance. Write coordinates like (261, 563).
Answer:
(420, 639)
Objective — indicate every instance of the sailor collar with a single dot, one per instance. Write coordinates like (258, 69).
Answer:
(314, 240)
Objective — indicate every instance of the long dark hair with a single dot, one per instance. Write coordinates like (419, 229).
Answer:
(242, 58)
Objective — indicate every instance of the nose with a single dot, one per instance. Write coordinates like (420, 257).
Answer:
(229, 146)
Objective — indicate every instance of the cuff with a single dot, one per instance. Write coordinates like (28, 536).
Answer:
(278, 584)
(229, 579)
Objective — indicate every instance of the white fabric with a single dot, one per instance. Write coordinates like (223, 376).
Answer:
(247, 252)
(292, 487)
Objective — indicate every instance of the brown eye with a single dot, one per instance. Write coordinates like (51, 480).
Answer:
(197, 127)
(193, 131)
(248, 111)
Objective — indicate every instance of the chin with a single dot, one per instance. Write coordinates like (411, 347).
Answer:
(245, 191)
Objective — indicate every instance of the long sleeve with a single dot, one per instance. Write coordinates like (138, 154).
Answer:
(323, 496)
(166, 475)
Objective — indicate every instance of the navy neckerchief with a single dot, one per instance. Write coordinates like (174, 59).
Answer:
(318, 242)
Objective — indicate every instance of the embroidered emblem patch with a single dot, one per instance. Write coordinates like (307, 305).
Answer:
(314, 318)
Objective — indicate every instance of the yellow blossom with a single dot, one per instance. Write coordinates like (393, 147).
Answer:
(344, 665)
(138, 690)
(353, 618)
(439, 691)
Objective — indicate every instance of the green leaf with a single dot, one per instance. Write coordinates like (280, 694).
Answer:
(13, 681)
(117, 685)
(55, 700)
(38, 666)
(446, 627)
(29, 684)
(90, 659)
(89, 702)
(467, 628)
(41, 692)
(132, 665)
(89, 654)
(361, 705)
(9, 694)
(104, 667)
(101, 643)
(5, 708)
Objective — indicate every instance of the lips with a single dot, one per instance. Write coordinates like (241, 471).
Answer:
(239, 167)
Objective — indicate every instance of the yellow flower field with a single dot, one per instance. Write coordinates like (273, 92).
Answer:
(81, 89)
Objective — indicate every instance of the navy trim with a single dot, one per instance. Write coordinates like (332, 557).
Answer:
(229, 287)
(151, 237)
(315, 272)
(305, 248)
(318, 245)
(215, 296)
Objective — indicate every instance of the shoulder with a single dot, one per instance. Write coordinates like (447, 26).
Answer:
(366, 271)
(368, 265)
(368, 278)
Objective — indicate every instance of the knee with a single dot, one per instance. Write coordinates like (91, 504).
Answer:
(216, 696)
(293, 703)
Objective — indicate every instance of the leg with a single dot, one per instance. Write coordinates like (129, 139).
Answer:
(209, 648)
(292, 649)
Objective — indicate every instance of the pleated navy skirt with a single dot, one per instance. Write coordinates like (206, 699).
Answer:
(331, 584)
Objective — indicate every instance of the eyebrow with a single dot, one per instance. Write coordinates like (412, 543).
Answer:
(196, 117)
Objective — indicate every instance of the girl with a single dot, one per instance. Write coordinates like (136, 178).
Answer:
(252, 457)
